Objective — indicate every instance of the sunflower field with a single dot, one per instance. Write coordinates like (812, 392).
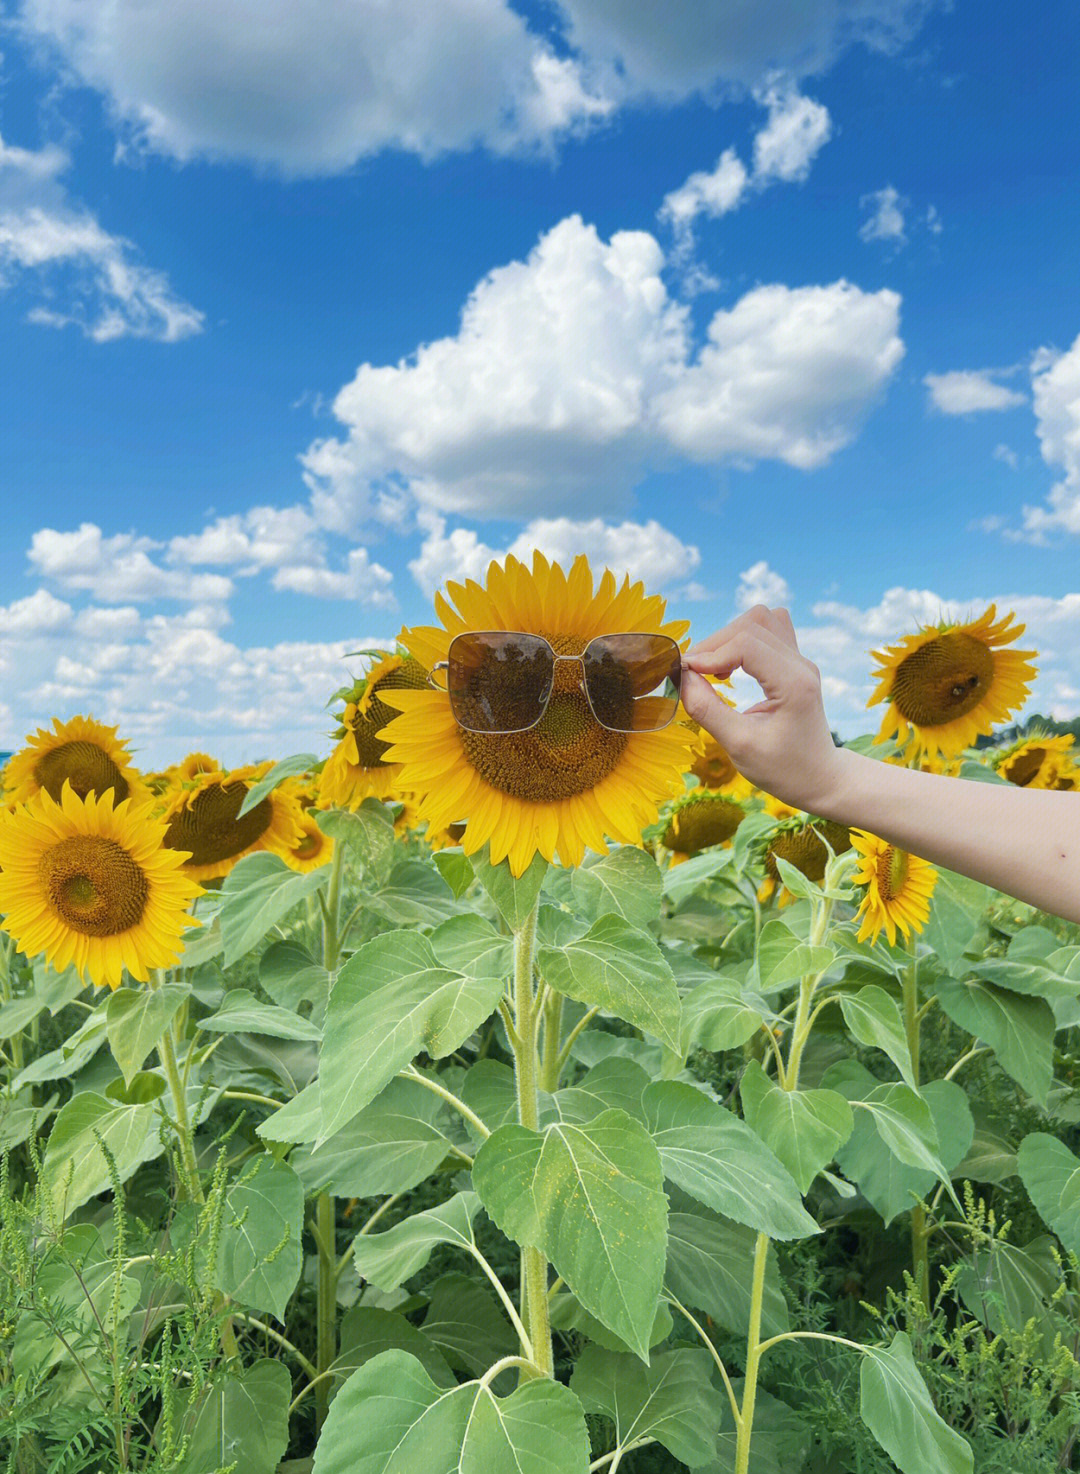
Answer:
(534, 1100)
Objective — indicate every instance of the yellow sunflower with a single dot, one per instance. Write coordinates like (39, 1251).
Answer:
(92, 885)
(567, 784)
(357, 768)
(1035, 762)
(81, 752)
(312, 849)
(202, 818)
(898, 888)
(700, 819)
(951, 683)
(801, 843)
(196, 763)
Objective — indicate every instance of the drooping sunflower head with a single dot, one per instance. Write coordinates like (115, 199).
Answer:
(567, 783)
(950, 683)
(312, 849)
(898, 888)
(1036, 761)
(802, 843)
(92, 885)
(204, 819)
(700, 819)
(358, 767)
(82, 752)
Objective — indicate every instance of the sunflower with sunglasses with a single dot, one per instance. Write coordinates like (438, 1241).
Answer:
(548, 722)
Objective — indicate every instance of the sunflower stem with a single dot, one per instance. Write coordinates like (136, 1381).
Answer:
(331, 915)
(549, 1068)
(801, 1026)
(920, 1258)
(534, 1300)
(192, 1185)
(325, 1301)
(744, 1425)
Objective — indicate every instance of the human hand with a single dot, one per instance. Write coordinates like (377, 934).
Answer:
(782, 743)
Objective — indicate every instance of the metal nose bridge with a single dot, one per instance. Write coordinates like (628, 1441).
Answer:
(574, 660)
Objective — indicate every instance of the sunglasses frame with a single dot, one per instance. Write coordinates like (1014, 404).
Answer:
(556, 658)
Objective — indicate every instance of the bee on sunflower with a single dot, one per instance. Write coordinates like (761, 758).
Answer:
(951, 683)
(91, 884)
(898, 888)
(556, 729)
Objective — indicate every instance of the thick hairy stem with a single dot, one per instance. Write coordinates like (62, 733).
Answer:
(800, 1028)
(192, 1185)
(325, 1301)
(920, 1258)
(534, 1300)
(549, 1069)
(331, 912)
(745, 1423)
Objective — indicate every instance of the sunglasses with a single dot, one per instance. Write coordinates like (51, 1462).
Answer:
(501, 681)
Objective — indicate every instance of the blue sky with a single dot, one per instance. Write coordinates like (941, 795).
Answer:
(771, 300)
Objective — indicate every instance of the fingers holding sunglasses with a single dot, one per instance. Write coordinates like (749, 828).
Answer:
(781, 743)
(772, 624)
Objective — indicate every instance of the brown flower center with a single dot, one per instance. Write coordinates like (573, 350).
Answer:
(310, 844)
(1024, 767)
(701, 823)
(93, 885)
(207, 825)
(892, 869)
(567, 752)
(804, 849)
(945, 678)
(409, 675)
(85, 765)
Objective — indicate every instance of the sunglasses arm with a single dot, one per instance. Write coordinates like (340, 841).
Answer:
(443, 665)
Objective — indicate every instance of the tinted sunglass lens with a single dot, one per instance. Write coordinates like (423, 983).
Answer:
(498, 680)
(633, 681)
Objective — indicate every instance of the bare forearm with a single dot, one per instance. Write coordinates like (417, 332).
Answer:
(1025, 842)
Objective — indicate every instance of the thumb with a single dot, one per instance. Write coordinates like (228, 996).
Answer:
(709, 709)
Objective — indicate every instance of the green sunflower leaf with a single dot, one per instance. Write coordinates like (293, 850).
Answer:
(591, 1198)
(721, 1162)
(391, 1418)
(621, 970)
(390, 1000)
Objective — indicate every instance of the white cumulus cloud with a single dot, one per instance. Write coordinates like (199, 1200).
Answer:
(573, 373)
(672, 48)
(48, 239)
(310, 90)
(760, 584)
(969, 391)
(1055, 383)
(798, 128)
(645, 551)
(886, 220)
(117, 569)
(784, 148)
(360, 579)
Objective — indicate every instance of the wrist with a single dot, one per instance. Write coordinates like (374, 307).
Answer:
(837, 798)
